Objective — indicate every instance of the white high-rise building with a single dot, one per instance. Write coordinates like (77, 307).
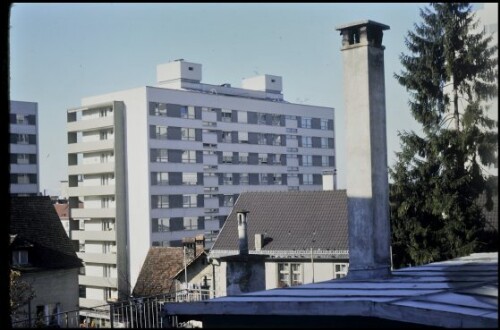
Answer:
(155, 164)
(24, 164)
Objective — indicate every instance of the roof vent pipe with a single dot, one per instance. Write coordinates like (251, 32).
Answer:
(242, 231)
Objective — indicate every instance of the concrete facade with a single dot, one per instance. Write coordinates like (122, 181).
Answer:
(23, 148)
(366, 147)
(184, 152)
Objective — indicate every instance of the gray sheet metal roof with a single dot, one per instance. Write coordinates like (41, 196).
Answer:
(459, 293)
(297, 220)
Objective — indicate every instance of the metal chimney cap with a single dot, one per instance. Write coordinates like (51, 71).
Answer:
(361, 23)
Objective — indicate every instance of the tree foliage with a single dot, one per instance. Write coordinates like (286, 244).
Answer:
(21, 293)
(450, 74)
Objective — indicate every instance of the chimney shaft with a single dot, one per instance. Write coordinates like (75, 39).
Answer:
(242, 231)
(259, 242)
(367, 183)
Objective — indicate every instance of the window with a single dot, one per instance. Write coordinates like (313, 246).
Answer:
(226, 137)
(23, 179)
(189, 179)
(160, 178)
(324, 142)
(242, 117)
(106, 224)
(107, 179)
(261, 138)
(263, 178)
(190, 223)
(340, 270)
(104, 112)
(325, 161)
(276, 120)
(187, 112)
(289, 274)
(21, 119)
(227, 178)
(157, 109)
(20, 257)
(243, 178)
(160, 132)
(189, 200)
(276, 140)
(159, 155)
(324, 123)
(261, 118)
(276, 159)
(23, 159)
(227, 115)
(307, 160)
(307, 179)
(189, 156)
(227, 157)
(243, 157)
(188, 134)
(107, 247)
(106, 157)
(262, 158)
(277, 179)
(243, 137)
(106, 270)
(159, 201)
(306, 122)
(228, 200)
(23, 139)
(307, 142)
(160, 225)
(290, 117)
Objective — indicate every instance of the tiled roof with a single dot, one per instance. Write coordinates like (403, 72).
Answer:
(159, 269)
(34, 220)
(289, 221)
(62, 210)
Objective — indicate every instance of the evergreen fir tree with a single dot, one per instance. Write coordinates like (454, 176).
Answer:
(450, 75)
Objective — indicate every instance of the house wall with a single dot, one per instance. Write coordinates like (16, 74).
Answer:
(54, 287)
(324, 270)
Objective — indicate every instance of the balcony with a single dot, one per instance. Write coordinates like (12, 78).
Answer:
(208, 116)
(93, 213)
(104, 282)
(84, 235)
(91, 168)
(24, 188)
(90, 125)
(98, 258)
(93, 146)
(90, 303)
(91, 190)
(210, 137)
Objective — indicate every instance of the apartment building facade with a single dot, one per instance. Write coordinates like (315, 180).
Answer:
(155, 164)
(23, 149)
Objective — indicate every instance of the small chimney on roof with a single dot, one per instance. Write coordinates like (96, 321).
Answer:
(259, 242)
(242, 231)
(367, 183)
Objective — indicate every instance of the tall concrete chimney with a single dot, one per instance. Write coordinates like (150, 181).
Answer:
(242, 231)
(367, 183)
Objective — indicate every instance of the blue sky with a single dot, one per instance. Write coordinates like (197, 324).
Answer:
(60, 53)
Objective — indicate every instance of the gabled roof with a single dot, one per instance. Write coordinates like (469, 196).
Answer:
(159, 270)
(62, 210)
(296, 220)
(33, 219)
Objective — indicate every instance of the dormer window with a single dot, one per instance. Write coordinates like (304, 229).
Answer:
(19, 257)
